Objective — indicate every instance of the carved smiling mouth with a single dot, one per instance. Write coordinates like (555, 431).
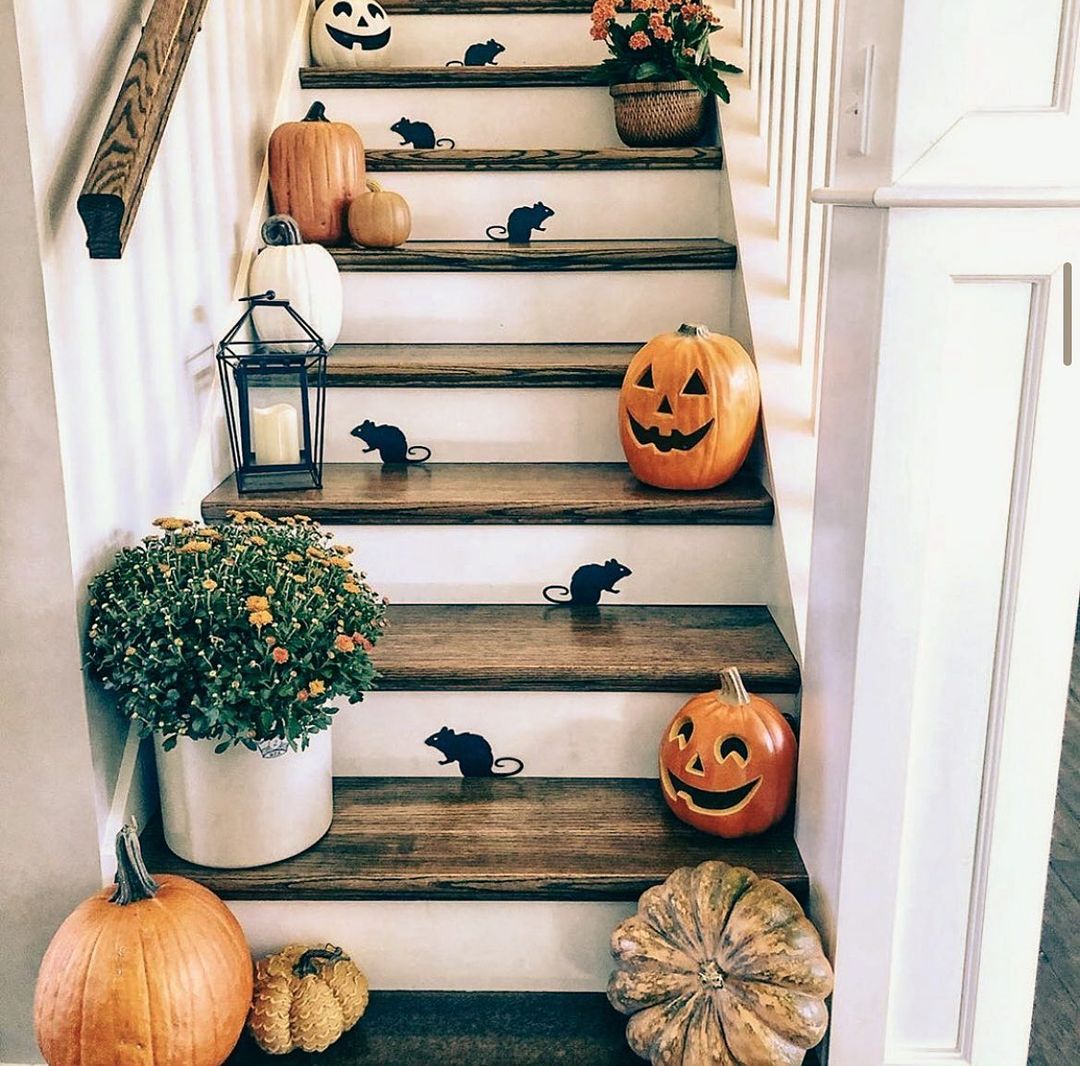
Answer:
(368, 44)
(706, 802)
(668, 442)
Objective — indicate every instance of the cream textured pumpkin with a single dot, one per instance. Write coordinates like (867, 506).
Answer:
(305, 999)
(720, 968)
(305, 275)
(353, 34)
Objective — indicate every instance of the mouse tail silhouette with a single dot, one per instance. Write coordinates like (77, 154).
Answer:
(557, 588)
(508, 773)
(497, 236)
(455, 63)
(447, 142)
(419, 448)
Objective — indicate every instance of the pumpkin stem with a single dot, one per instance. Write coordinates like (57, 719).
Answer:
(687, 330)
(281, 231)
(316, 113)
(732, 690)
(311, 961)
(372, 185)
(133, 883)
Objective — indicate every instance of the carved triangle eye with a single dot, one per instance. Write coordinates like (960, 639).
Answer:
(695, 386)
(646, 381)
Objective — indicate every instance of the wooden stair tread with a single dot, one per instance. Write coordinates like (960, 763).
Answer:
(472, 1029)
(443, 77)
(437, 159)
(488, 7)
(612, 648)
(498, 494)
(538, 365)
(697, 253)
(522, 838)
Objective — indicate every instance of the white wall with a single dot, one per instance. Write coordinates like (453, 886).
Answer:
(133, 341)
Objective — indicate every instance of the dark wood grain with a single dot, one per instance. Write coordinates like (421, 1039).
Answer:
(703, 253)
(121, 167)
(472, 1029)
(479, 365)
(607, 649)
(499, 494)
(488, 7)
(397, 159)
(519, 839)
(494, 77)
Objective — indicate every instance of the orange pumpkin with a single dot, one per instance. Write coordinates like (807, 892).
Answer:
(727, 761)
(316, 168)
(151, 973)
(688, 409)
(379, 218)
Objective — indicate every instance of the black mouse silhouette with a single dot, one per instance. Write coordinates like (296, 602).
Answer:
(480, 55)
(588, 582)
(419, 134)
(521, 223)
(389, 442)
(471, 752)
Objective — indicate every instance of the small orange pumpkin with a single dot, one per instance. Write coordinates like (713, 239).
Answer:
(688, 409)
(380, 218)
(316, 168)
(727, 761)
(151, 972)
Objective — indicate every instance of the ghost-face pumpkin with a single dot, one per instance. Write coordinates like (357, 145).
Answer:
(350, 34)
(688, 409)
(727, 761)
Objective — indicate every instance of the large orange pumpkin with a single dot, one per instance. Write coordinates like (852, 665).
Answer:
(688, 409)
(316, 168)
(151, 973)
(727, 761)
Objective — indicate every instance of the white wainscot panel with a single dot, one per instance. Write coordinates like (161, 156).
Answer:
(978, 401)
(526, 307)
(555, 734)
(449, 945)
(513, 563)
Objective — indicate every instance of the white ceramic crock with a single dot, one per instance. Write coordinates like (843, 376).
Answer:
(244, 808)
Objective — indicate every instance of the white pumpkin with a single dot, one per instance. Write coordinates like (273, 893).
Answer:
(305, 275)
(352, 34)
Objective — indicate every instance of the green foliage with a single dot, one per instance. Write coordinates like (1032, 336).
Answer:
(662, 41)
(239, 633)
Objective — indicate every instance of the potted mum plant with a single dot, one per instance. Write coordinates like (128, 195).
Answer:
(228, 643)
(661, 69)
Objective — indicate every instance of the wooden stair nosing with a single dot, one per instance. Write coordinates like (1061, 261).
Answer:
(697, 253)
(521, 838)
(520, 159)
(472, 1029)
(478, 365)
(491, 77)
(498, 494)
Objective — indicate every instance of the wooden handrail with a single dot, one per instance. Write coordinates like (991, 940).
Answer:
(114, 186)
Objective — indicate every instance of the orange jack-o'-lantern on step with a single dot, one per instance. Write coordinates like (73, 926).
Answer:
(727, 761)
(688, 409)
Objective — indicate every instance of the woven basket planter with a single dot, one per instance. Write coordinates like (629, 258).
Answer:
(659, 114)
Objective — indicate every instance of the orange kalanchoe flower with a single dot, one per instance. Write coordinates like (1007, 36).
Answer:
(639, 40)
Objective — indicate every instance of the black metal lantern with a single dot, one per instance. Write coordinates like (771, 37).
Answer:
(277, 411)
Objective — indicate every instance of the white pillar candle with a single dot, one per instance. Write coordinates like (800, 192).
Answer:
(275, 432)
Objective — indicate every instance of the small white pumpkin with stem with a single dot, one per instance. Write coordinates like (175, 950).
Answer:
(305, 275)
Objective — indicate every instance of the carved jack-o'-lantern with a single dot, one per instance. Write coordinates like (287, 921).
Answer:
(727, 761)
(688, 409)
(351, 34)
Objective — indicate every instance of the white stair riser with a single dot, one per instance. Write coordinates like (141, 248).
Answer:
(494, 117)
(481, 425)
(526, 306)
(588, 205)
(452, 945)
(513, 563)
(555, 734)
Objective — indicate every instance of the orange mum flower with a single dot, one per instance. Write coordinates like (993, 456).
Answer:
(317, 687)
(362, 641)
(257, 603)
(344, 643)
(280, 655)
(303, 695)
(260, 618)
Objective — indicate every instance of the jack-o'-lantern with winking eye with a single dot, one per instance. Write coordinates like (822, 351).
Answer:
(727, 761)
(351, 34)
(688, 409)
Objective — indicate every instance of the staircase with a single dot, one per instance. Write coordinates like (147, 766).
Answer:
(481, 909)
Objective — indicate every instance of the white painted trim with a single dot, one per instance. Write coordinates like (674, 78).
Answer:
(889, 196)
